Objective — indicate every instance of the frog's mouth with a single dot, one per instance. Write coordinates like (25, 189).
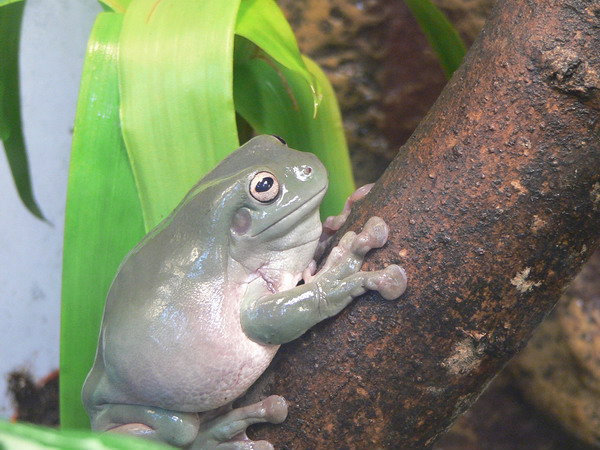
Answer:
(295, 214)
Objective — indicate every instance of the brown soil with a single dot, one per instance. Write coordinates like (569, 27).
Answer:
(34, 402)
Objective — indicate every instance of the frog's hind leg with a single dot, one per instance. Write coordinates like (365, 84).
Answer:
(228, 431)
(175, 428)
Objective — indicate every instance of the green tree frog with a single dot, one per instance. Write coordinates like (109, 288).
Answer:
(198, 309)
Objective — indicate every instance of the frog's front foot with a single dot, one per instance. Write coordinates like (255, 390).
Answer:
(345, 260)
(228, 431)
(334, 223)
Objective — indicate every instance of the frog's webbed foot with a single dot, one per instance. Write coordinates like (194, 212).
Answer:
(228, 431)
(344, 261)
(342, 267)
(334, 223)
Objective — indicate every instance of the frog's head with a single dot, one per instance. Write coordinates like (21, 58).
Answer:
(276, 206)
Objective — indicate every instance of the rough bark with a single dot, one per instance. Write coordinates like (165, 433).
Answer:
(372, 52)
(501, 419)
(559, 371)
(493, 205)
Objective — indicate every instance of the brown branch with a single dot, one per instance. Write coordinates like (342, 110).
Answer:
(493, 205)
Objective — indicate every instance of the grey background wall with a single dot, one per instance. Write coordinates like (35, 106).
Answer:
(53, 45)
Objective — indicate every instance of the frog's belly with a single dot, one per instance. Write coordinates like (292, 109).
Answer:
(212, 377)
(190, 367)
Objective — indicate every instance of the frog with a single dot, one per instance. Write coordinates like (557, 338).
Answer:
(201, 305)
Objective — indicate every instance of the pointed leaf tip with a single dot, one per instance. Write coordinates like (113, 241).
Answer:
(11, 129)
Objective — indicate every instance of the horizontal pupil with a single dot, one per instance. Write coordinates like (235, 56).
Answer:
(264, 185)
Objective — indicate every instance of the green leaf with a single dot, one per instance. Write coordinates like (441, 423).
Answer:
(8, 2)
(440, 33)
(276, 100)
(103, 216)
(35, 437)
(263, 23)
(177, 114)
(11, 131)
(119, 6)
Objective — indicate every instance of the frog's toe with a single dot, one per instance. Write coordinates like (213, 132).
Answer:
(339, 254)
(262, 445)
(373, 235)
(347, 257)
(276, 408)
(229, 430)
(309, 273)
(135, 429)
(334, 223)
(389, 282)
(245, 445)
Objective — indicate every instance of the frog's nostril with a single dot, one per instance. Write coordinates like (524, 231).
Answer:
(307, 170)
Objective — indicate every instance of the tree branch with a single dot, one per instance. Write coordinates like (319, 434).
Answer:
(493, 206)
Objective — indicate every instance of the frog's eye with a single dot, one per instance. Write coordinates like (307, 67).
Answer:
(264, 187)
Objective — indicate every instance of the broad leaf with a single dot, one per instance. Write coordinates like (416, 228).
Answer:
(119, 6)
(263, 23)
(34, 437)
(177, 115)
(103, 217)
(276, 100)
(9, 2)
(440, 33)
